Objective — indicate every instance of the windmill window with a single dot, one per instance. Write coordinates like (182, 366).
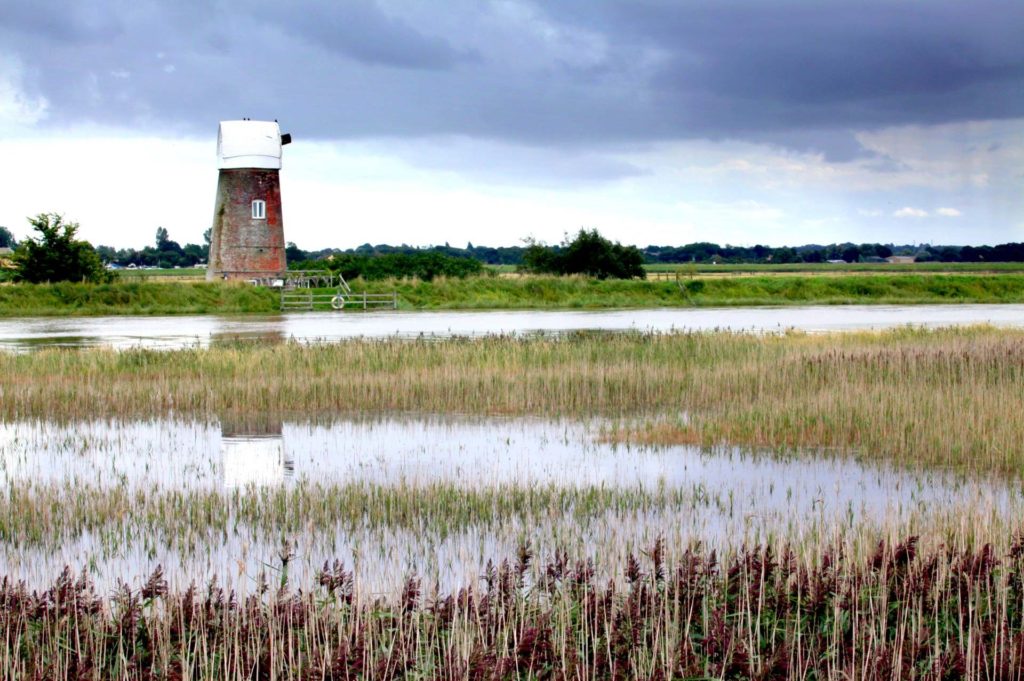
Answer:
(259, 209)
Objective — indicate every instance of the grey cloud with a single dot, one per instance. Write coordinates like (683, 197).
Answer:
(360, 30)
(515, 164)
(803, 74)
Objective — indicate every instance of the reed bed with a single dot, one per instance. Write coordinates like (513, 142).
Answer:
(950, 397)
(386, 576)
(765, 612)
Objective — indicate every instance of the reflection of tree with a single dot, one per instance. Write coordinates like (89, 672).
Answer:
(253, 450)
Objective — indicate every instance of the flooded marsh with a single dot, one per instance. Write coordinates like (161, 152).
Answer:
(427, 495)
(586, 506)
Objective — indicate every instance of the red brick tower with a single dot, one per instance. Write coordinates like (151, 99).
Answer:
(248, 229)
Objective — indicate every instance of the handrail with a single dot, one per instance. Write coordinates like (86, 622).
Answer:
(294, 300)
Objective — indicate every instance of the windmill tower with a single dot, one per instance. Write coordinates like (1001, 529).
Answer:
(247, 240)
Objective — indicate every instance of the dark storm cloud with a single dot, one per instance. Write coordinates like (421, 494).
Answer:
(362, 32)
(802, 74)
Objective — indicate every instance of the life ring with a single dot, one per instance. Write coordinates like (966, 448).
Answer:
(338, 302)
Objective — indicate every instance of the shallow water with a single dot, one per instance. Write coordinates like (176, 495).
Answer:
(22, 334)
(720, 496)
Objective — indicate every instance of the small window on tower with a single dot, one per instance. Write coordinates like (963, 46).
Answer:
(259, 209)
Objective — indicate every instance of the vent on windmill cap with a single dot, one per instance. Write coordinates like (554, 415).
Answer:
(249, 144)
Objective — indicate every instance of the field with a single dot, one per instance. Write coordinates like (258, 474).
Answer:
(837, 269)
(157, 274)
(587, 506)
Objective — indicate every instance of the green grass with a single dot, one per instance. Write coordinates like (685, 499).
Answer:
(528, 292)
(542, 292)
(183, 273)
(134, 298)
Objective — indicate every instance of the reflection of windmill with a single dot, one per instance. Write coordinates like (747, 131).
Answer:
(253, 452)
(231, 332)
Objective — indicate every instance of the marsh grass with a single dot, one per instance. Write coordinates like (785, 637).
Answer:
(949, 398)
(928, 591)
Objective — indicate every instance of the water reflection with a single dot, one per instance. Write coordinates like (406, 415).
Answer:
(261, 336)
(720, 495)
(253, 451)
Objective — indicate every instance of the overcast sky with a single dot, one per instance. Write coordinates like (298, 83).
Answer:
(425, 122)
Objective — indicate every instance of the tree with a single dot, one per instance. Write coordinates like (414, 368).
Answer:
(56, 255)
(293, 253)
(588, 253)
(851, 253)
(6, 238)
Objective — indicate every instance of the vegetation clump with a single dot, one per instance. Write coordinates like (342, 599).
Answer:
(56, 255)
(422, 265)
(589, 254)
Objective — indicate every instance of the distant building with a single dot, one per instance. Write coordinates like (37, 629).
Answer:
(900, 259)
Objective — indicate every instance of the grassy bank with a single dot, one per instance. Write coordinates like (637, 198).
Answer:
(538, 292)
(532, 292)
(949, 397)
(134, 297)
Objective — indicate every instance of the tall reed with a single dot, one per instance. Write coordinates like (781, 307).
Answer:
(766, 612)
(948, 397)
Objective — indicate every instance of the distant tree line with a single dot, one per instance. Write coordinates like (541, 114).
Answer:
(702, 252)
(423, 265)
(165, 253)
(503, 255)
(56, 254)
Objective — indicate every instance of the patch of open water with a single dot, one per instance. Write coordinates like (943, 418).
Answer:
(722, 495)
(24, 334)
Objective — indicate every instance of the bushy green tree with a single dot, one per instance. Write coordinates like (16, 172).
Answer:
(588, 253)
(56, 255)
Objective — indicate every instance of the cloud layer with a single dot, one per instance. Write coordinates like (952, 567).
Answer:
(803, 73)
(657, 121)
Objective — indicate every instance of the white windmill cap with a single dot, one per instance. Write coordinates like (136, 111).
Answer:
(249, 144)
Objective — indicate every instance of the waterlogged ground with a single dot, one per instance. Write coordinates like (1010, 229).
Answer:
(437, 497)
(21, 334)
